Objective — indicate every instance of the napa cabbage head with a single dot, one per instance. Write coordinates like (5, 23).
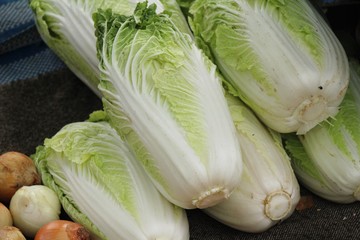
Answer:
(101, 185)
(269, 191)
(67, 27)
(327, 158)
(281, 58)
(164, 96)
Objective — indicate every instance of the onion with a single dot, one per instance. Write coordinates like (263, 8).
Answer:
(11, 233)
(64, 230)
(33, 206)
(5, 216)
(16, 170)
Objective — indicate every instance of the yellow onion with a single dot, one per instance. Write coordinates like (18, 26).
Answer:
(62, 230)
(16, 170)
(11, 233)
(5, 216)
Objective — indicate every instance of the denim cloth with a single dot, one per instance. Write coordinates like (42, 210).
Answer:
(23, 54)
(16, 17)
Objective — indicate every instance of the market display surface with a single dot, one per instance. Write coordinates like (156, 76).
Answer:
(208, 167)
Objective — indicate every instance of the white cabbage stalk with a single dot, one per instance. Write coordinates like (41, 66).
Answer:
(164, 97)
(67, 27)
(268, 192)
(327, 158)
(102, 186)
(280, 56)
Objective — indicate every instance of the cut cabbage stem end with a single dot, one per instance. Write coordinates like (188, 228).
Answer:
(211, 197)
(277, 205)
(313, 111)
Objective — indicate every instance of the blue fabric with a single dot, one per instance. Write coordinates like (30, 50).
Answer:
(16, 17)
(23, 54)
(28, 62)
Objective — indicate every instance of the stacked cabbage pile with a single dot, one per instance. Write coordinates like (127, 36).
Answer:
(196, 111)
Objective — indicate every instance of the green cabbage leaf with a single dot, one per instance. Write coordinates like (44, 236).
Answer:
(281, 58)
(327, 158)
(102, 186)
(67, 27)
(164, 96)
